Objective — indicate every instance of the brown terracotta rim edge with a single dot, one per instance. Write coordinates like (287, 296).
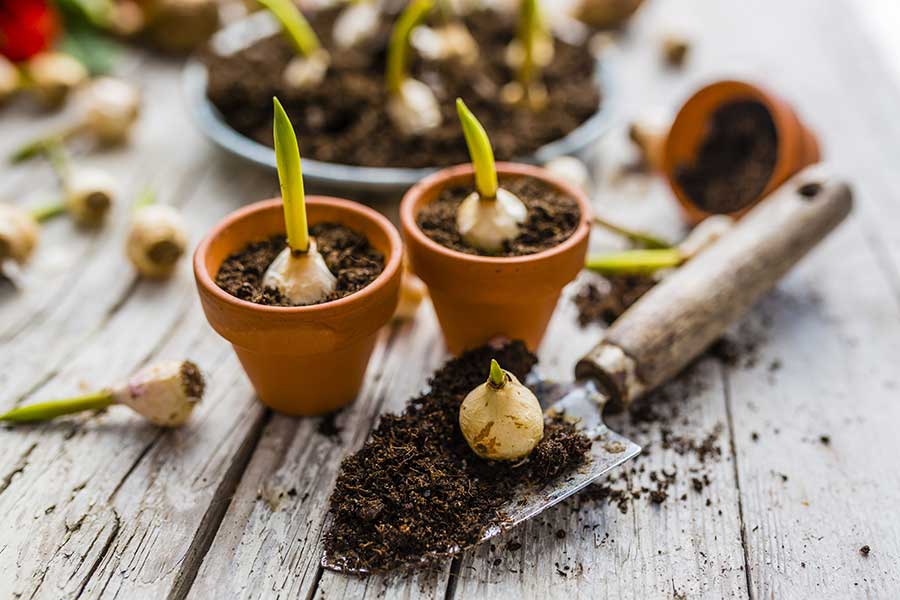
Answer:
(503, 168)
(391, 267)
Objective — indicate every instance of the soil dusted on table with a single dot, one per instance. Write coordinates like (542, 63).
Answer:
(552, 217)
(343, 119)
(604, 300)
(735, 159)
(416, 487)
(348, 255)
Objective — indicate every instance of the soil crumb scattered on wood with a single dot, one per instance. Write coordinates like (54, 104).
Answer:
(605, 299)
(552, 217)
(865, 550)
(348, 255)
(416, 487)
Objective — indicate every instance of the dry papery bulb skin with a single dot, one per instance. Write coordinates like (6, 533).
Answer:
(156, 241)
(501, 419)
(19, 233)
(89, 195)
(111, 108)
(51, 77)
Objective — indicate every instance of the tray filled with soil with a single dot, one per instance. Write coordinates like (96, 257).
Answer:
(349, 136)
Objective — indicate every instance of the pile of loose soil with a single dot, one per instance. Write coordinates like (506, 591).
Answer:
(416, 487)
(349, 256)
(604, 300)
(343, 120)
(552, 217)
(735, 159)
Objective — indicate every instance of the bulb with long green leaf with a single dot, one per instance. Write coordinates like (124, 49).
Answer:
(165, 394)
(530, 51)
(299, 272)
(412, 105)
(308, 68)
(356, 23)
(490, 216)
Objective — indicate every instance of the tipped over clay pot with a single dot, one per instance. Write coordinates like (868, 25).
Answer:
(301, 360)
(796, 145)
(478, 298)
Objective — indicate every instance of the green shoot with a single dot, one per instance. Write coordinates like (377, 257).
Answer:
(497, 377)
(294, 25)
(639, 237)
(47, 212)
(44, 411)
(145, 197)
(290, 176)
(635, 262)
(480, 150)
(529, 30)
(398, 48)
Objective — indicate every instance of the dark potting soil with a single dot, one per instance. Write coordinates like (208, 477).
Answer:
(416, 487)
(192, 380)
(343, 119)
(604, 300)
(735, 159)
(349, 256)
(552, 217)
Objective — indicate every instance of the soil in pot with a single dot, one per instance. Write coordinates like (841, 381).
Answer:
(349, 256)
(552, 217)
(343, 120)
(735, 159)
(417, 487)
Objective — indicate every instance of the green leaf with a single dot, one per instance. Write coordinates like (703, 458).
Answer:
(91, 48)
(45, 411)
(497, 377)
(635, 262)
(398, 48)
(294, 25)
(290, 175)
(529, 30)
(479, 150)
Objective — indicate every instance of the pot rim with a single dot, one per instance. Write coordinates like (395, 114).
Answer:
(390, 268)
(443, 178)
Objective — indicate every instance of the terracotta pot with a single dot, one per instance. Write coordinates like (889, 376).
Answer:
(797, 145)
(477, 298)
(304, 360)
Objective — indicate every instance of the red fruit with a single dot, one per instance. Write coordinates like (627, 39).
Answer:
(27, 27)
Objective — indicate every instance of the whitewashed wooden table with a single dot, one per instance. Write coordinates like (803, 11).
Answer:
(232, 505)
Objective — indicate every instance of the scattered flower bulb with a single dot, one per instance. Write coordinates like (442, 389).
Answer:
(52, 76)
(705, 234)
(165, 394)
(605, 14)
(451, 42)
(487, 223)
(156, 240)
(501, 419)
(9, 79)
(649, 136)
(571, 170)
(19, 233)
(356, 24)
(412, 291)
(303, 278)
(112, 106)
(305, 72)
(414, 109)
(89, 195)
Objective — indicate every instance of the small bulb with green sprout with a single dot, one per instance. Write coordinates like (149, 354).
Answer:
(157, 238)
(299, 272)
(308, 68)
(52, 76)
(490, 216)
(412, 105)
(10, 80)
(165, 394)
(88, 193)
(449, 41)
(20, 230)
(357, 23)
(501, 419)
(531, 51)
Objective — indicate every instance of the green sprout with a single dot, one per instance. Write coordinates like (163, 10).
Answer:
(635, 262)
(44, 411)
(529, 29)
(497, 377)
(480, 150)
(294, 25)
(290, 176)
(638, 237)
(398, 47)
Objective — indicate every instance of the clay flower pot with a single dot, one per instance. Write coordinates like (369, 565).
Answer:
(797, 145)
(477, 298)
(304, 360)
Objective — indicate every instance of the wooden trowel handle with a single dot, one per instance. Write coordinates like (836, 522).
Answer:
(681, 316)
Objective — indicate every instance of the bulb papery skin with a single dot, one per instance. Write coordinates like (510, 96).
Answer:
(165, 393)
(19, 233)
(111, 108)
(414, 109)
(9, 79)
(303, 278)
(90, 194)
(156, 240)
(504, 423)
(450, 42)
(572, 170)
(52, 75)
(487, 224)
(305, 72)
(356, 24)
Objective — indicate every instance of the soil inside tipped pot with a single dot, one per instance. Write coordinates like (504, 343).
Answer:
(343, 119)
(416, 487)
(735, 160)
(552, 217)
(349, 256)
